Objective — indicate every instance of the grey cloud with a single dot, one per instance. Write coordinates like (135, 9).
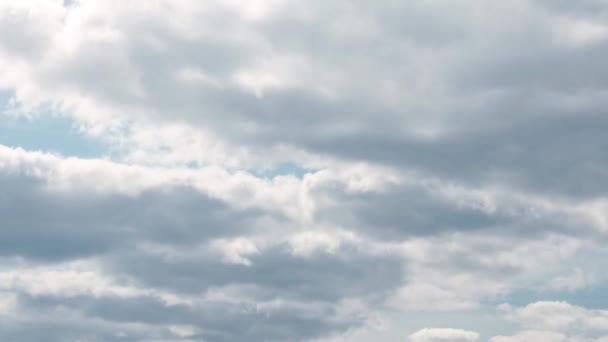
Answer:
(555, 155)
(516, 137)
(51, 225)
(307, 293)
(42, 225)
(406, 211)
(25, 34)
(583, 9)
(274, 272)
(212, 321)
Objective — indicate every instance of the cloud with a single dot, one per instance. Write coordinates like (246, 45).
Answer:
(556, 321)
(560, 316)
(443, 334)
(572, 282)
(211, 254)
(151, 248)
(448, 157)
(532, 335)
(292, 77)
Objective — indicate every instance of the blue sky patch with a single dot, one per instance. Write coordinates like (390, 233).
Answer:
(46, 133)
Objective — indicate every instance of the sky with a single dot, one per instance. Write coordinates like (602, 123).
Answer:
(319, 171)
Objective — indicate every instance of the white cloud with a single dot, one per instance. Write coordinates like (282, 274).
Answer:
(444, 334)
(236, 250)
(560, 316)
(8, 303)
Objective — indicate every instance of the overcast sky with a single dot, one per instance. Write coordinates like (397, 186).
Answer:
(284, 170)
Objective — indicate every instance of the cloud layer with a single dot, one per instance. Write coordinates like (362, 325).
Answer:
(279, 170)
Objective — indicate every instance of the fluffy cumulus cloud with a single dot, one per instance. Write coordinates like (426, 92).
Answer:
(279, 170)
